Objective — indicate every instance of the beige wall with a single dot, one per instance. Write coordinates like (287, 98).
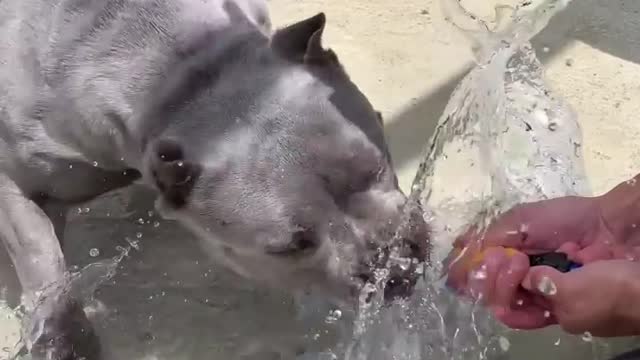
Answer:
(407, 59)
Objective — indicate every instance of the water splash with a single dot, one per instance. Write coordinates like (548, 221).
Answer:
(79, 284)
(504, 138)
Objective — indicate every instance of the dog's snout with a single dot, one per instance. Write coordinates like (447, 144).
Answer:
(408, 254)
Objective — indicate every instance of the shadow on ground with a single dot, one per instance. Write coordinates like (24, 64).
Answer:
(610, 26)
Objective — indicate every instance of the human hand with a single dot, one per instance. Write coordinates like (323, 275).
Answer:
(572, 225)
(600, 298)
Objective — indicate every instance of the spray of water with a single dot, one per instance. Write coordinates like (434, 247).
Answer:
(504, 138)
(79, 284)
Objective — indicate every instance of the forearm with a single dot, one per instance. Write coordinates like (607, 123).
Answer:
(620, 210)
(628, 311)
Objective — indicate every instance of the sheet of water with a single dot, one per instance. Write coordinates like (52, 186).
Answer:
(504, 138)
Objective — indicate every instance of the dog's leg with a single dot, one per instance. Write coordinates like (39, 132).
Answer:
(57, 214)
(56, 326)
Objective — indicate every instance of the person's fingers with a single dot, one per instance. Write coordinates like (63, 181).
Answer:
(526, 312)
(476, 272)
(457, 266)
(481, 279)
(624, 252)
(595, 252)
(463, 240)
(544, 281)
(506, 230)
(510, 275)
(527, 318)
(571, 249)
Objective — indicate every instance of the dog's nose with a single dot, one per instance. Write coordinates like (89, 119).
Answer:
(408, 254)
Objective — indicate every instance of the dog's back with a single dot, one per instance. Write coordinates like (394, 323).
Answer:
(73, 71)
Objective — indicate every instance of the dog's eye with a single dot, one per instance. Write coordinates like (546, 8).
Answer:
(376, 174)
(365, 179)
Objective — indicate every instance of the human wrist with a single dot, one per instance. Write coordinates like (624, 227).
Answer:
(619, 210)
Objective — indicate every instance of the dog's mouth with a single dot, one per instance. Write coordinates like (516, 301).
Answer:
(399, 265)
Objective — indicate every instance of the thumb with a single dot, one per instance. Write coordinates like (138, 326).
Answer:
(543, 280)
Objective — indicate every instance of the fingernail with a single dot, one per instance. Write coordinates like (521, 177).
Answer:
(546, 286)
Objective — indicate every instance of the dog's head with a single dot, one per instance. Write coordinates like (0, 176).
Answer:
(280, 166)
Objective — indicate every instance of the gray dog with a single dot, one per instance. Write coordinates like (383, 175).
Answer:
(257, 142)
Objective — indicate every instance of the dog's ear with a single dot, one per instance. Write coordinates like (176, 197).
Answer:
(302, 41)
(173, 174)
(380, 118)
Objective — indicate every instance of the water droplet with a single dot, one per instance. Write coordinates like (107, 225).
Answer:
(547, 314)
(156, 224)
(546, 49)
(141, 221)
(634, 226)
(504, 343)
(150, 213)
(134, 243)
(553, 126)
(333, 316)
(139, 235)
(569, 62)
(87, 210)
(557, 342)
(520, 302)
(481, 273)
(94, 252)
(632, 182)
(70, 166)
(95, 163)
(547, 287)
(587, 337)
